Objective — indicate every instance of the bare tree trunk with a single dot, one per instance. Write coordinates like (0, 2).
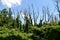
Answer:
(35, 16)
(44, 13)
(57, 6)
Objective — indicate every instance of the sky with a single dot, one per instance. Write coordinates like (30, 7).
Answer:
(24, 4)
(21, 4)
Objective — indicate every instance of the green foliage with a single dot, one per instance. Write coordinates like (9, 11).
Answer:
(13, 29)
(38, 33)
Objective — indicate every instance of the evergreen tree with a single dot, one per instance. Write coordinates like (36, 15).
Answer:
(10, 13)
(18, 22)
(4, 12)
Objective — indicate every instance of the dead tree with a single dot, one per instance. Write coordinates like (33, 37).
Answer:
(35, 16)
(30, 16)
(57, 7)
(48, 14)
(44, 14)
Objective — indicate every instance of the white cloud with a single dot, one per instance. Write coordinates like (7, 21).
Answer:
(10, 3)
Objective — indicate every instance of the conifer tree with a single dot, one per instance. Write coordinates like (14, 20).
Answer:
(10, 13)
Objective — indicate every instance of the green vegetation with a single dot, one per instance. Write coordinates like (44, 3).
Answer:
(13, 27)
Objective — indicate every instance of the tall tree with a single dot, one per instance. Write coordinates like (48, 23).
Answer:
(4, 12)
(10, 13)
(44, 14)
(48, 14)
(57, 6)
(18, 22)
(26, 21)
(30, 16)
(35, 16)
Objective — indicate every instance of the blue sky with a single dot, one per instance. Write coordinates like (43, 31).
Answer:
(37, 4)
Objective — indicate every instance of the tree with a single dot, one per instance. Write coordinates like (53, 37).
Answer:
(40, 23)
(57, 6)
(30, 16)
(26, 19)
(35, 16)
(4, 12)
(44, 14)
(18, 22)
(48, 14)
(1, 19)
(10, 13)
